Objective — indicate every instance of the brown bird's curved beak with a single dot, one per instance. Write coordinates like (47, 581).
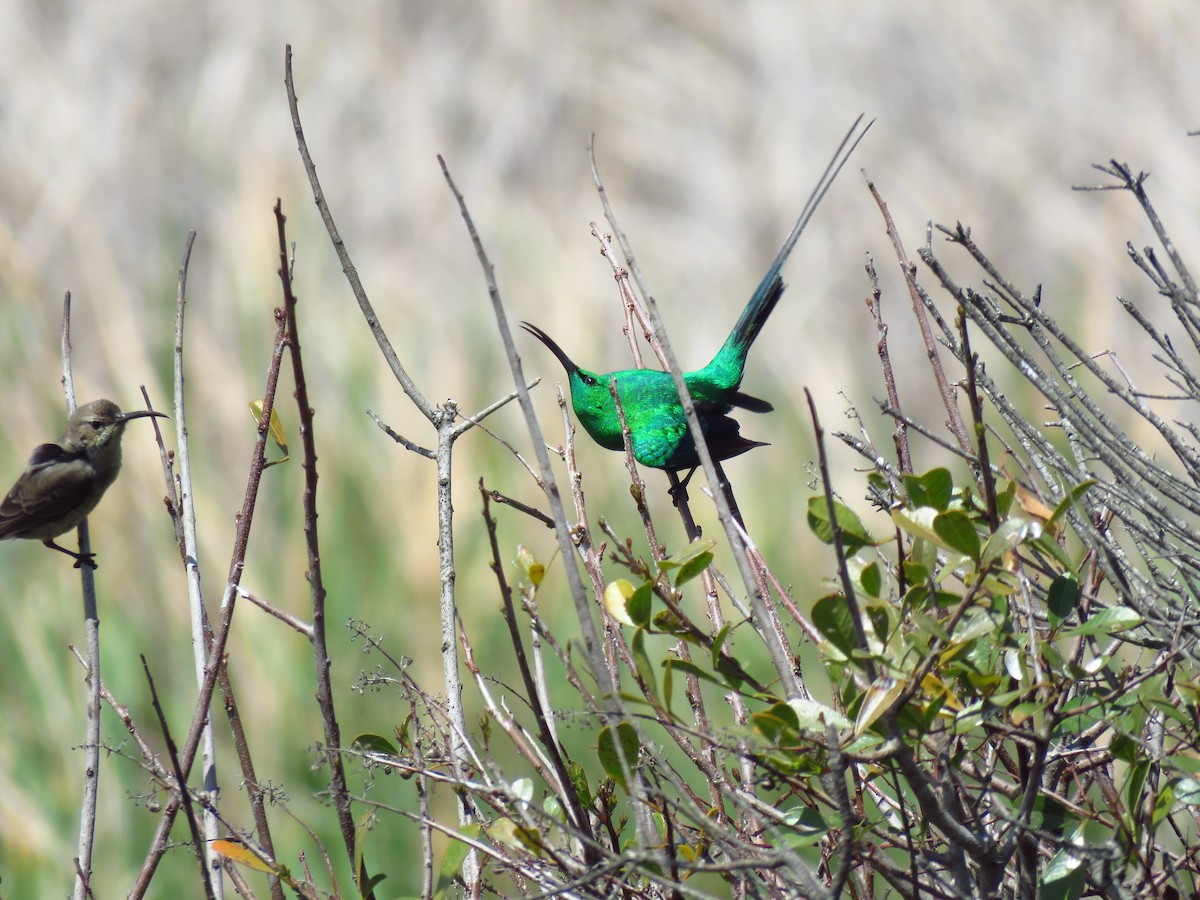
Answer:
(137, 414)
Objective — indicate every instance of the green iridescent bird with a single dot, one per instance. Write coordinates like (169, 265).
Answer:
(658, 427)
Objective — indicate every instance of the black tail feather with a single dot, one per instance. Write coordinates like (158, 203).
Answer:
(754, 316)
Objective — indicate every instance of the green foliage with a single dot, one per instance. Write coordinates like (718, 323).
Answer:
(854, 533)
(969, 661)
(994, 694)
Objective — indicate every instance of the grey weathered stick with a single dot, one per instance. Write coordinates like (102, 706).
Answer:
(91, 624)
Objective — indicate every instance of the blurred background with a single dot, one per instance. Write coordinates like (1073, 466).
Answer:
(124, 125)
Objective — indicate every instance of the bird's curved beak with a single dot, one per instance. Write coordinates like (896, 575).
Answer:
(140, 413)
(554, 348)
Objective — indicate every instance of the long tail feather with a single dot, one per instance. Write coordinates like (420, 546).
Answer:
(770, 289)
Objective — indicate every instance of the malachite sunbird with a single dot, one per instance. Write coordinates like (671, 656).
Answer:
(657, 425)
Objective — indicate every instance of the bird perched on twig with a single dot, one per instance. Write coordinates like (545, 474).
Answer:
(658, 428)
(65, 480)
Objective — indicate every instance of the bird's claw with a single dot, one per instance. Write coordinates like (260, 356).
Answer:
(678, 492)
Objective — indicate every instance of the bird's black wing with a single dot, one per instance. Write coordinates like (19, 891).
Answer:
(722, 431)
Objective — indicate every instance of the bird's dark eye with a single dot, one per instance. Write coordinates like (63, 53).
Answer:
(588, 380)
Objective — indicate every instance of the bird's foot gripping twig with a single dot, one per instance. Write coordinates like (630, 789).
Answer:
(81, 559)
(678, 492)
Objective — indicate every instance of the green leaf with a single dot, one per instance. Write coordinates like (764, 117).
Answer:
(805, 827)
(692, 568)
(1108, 621)
(915, 572)
(934, 488)
(692, 551)
(1065, 503)
(1023, 712)
(879, 698)
(881, 621)
(1046, 543)
(1125, 748)
(778, 724)
(1009, 536)
(854, 532)
(691, 668)
(371, 883)
(639, 603)
(1049, 816)
(456, 852)
(975, 623)
(1004, 499)
(1061, 598)
(1134, 786)
(579, 781)
(957, 531)
(641, 661)
(1063, 878)
(918, 522)
(871, 579)
(374, 743)
(1163, 804)
(812, 716)
(667, 688)
(627, 604)
(918, 598)
(623, 736)
(831, 615)
(719, 642)
(1183, 764)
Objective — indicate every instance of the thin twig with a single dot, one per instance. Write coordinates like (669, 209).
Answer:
(591, 640)
(945, 389)
(198, 844)
(579, 817)
(321, 660)
(221, 632)
(91, 625)
(364, 303)
(189, 549)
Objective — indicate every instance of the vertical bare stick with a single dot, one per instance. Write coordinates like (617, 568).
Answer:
(945, 389)
(443, 419)
(613, 708)
(333, 735)
(91, 625)
(237, 562)
(201, 630)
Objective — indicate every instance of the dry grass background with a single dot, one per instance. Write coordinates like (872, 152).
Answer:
(124, 124)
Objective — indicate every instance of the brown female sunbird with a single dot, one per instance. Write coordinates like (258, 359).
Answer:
(65, 480)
